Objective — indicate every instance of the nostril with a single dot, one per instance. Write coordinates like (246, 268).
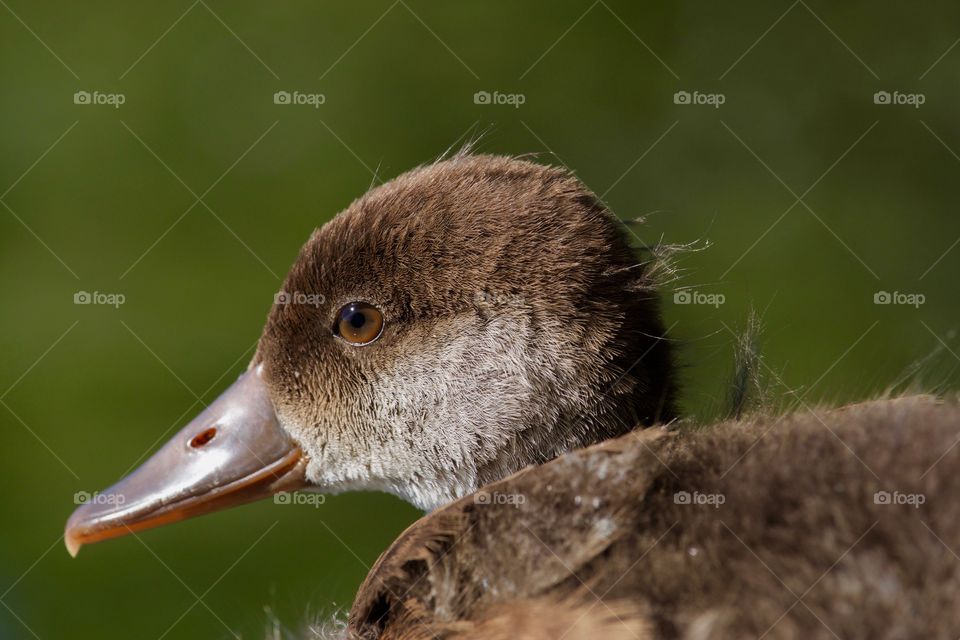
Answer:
(203, 438)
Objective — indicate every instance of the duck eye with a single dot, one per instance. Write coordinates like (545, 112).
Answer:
(359, 323)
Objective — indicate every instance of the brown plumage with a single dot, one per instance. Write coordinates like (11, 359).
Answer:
(604, 543)
(518, 329)
(503, 281)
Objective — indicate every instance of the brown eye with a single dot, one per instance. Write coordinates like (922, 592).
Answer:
(359, 323)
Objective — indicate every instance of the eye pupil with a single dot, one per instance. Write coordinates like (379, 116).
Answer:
(359, 323)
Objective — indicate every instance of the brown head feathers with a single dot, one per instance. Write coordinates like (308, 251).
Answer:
(518, 325)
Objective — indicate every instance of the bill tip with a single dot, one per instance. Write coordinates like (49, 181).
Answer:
(73, 545)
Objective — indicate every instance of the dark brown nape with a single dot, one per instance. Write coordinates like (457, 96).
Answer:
(798, 532)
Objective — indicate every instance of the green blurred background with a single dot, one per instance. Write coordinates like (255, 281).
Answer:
(100, 199)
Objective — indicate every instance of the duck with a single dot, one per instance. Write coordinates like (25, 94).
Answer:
(828, 523)
(479, 338)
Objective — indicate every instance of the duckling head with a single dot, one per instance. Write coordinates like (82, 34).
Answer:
(467, 319)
